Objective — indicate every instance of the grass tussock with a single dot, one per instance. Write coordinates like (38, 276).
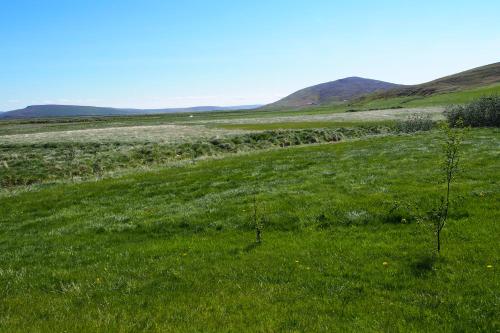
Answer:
(414, 123)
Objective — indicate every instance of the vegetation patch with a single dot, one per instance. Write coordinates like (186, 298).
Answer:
(483, 112)
(26, 164)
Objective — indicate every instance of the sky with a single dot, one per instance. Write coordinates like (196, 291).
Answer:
(164, 53)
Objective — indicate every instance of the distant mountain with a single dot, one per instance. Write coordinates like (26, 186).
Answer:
(333, 92)
(44, 111)
(473, 78)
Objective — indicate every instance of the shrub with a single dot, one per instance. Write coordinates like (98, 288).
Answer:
(483, 112)
(414, 123)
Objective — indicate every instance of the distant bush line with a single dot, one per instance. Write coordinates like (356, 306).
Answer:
(483, 112)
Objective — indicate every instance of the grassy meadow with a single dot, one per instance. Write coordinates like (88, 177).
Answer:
(28, 158)
(89, 157)
(344, 247)
(26, 126)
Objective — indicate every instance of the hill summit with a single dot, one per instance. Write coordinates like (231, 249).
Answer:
(335, 91)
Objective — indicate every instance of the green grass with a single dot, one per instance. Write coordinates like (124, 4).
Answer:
(172, 250)
(23, 163)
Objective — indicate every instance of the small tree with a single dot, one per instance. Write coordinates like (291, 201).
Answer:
(451, 149)
(257, 221)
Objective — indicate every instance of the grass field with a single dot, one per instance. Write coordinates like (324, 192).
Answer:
(247, 116)
(29, 159)
(266, 126)
(153, 133)
(173, 249)
(344, 119)
(31, 153)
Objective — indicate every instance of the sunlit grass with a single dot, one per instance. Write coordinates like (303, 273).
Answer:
(172, 250)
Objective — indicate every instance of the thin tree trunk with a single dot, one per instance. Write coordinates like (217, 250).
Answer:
(438, 240)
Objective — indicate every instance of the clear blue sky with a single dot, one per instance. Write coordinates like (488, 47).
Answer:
(160, 53)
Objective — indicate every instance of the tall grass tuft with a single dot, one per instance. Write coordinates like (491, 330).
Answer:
(414, 123)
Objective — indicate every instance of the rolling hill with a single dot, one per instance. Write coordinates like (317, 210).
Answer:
(43, 111)
(364, 92)
(467, 80)
(333, 92)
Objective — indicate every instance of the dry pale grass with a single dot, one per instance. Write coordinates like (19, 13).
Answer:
(156, 133)
(195, 130)
(436, 113)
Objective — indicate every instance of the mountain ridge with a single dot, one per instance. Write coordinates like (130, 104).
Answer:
(58, 110)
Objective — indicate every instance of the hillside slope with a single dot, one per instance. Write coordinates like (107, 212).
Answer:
(43, 111)
(470, 79)
(333, 92)
(361, 92)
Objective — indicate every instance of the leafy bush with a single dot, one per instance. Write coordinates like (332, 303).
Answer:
(483, 112)
(414, 123)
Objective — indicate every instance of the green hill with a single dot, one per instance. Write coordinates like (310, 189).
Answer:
(467, 80)
(415, 101)
(458, 88)
(361, 93)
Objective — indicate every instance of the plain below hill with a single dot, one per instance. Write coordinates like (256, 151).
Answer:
(44, 111)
